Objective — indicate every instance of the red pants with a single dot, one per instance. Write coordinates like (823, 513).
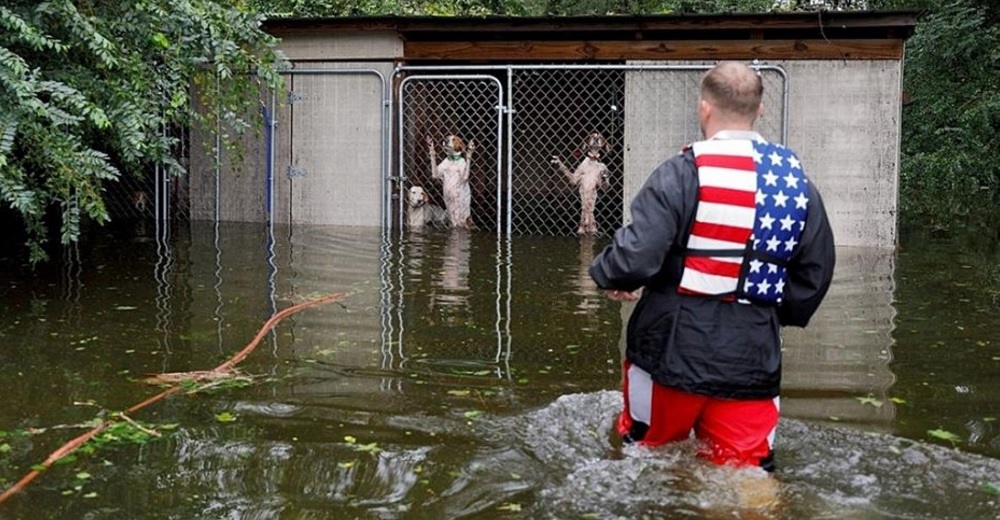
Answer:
(736, 432)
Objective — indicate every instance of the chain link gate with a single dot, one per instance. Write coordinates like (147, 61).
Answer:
(467, 106)
(646, 111)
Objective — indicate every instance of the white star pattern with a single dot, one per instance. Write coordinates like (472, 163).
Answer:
(782, 207)
(757, 156)
(766, 221)
(787, 222)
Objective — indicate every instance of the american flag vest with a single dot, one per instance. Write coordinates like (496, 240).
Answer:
(752, 209)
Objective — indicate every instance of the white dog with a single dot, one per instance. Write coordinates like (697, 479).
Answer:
(421, 212)
(591, 175)
(453, 172)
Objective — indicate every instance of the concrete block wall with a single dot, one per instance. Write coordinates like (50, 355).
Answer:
(843, 122)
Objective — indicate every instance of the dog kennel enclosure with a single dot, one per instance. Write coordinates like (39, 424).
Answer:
(347, 136)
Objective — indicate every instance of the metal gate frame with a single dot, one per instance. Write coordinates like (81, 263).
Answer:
(498, 106)
(506, 106)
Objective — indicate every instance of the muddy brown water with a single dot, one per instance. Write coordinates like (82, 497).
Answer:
(465, 376)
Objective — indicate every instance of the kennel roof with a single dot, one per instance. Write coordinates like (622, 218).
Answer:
(779, 35)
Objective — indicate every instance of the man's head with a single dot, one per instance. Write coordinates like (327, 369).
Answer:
(730, 98)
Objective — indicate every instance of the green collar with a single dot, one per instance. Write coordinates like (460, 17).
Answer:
(454, 156)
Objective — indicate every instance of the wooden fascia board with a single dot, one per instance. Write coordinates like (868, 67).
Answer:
(846, 49)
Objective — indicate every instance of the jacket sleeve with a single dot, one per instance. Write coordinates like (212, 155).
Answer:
(638, 250)
(811, 269)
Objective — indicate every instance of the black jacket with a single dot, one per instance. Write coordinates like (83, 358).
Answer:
(700, 344)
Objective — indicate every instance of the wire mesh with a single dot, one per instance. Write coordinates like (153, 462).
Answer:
(646, 111)
(465, 107)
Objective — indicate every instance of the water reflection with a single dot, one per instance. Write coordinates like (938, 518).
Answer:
(453, 277)
(838, 368)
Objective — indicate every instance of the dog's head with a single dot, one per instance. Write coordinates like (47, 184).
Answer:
(416, 197)
(594, 144)
(453, 144)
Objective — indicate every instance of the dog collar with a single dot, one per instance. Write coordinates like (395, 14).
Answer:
(454, 157)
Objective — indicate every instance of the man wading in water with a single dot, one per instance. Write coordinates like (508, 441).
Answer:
(730, 241)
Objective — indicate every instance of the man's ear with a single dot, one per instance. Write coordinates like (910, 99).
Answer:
(760, 111)
(704, 108)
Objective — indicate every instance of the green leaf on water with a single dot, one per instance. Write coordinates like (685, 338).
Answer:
(898, 400)
(5, 448)
(345, 465)
(83, 475)
(90, 495)
(944, 435)
(514, 508)
(459, 393)
(989, 419)
(472, 414)
(350, 439)
(870, 400)
(225, 417)
(992, 488)
(369, 448)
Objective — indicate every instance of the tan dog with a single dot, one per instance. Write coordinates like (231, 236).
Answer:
(591, 175)
(421, 212)
(453, 172)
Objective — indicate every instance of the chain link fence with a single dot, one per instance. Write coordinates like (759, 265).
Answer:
(469, 107)
(645, 112)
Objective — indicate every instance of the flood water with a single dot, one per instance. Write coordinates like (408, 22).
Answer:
(462, 376)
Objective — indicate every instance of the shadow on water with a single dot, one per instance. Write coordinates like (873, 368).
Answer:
(470, 377)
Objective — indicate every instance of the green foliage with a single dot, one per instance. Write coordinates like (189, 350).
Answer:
(950, 172)
(87, 90)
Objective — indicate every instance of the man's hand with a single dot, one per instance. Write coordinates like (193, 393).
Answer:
(622, 296)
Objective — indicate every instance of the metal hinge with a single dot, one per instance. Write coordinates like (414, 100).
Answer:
(295, 172)
(294, 97)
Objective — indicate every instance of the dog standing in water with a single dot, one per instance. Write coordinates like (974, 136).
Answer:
(591, 175)
(453, 172)
(421, 212)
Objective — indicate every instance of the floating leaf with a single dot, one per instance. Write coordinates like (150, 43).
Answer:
(369, 448)
(459, 393)
(126, 308)
(90, 495)
(350, 439)
(992, 488)
(5, 448)
(346, 465)
(225, 417)
(472, 414)
(944, 435)
(514, 508)
(870, 400)
(898, 400)
(83, 475)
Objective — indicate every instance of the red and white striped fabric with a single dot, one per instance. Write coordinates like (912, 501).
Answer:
(727, 179)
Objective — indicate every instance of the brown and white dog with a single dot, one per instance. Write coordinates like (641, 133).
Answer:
(590, 175)
(420, 211)
(453, 172)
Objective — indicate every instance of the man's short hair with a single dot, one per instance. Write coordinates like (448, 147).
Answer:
(734, 88)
